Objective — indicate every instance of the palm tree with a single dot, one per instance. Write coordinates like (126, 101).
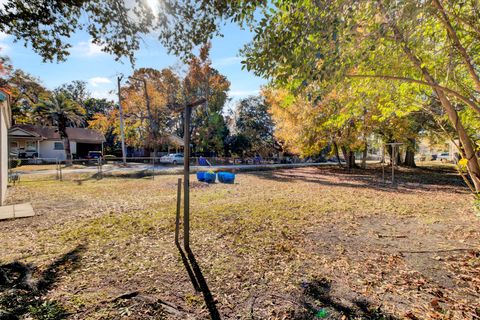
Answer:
(63, 112)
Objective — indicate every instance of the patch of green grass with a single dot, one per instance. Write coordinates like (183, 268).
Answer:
(47, 310)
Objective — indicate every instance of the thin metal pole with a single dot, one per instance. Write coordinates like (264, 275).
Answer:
(122, 132)
(383, 164)
(179, 204)
(99, 167)
(186, 178)
(153, 168)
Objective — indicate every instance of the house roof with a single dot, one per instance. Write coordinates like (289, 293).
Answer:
(51, 133)
(174, 139)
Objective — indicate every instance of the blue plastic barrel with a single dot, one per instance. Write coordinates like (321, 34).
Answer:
(226, 177)
(210, 177)
(201, 176)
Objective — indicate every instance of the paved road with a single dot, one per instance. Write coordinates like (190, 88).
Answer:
(136, 167)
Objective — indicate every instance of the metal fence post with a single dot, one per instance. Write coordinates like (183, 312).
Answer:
(60, 170)
(57, 176)
(99, 168)
(153, 168)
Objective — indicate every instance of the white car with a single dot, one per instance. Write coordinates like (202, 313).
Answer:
(444, 156)
(173, 158)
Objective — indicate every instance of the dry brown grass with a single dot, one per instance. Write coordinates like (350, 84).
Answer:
(275, 245)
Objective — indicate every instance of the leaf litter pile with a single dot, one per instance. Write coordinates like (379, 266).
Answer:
(307, 243)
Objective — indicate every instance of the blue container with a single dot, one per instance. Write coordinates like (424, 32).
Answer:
(226, 177)
(201, 176)
(210, 177)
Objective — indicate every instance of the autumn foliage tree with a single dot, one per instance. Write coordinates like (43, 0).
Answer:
(208, 126)
(151, 116)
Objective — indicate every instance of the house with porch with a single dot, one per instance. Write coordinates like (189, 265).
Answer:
(34, 141)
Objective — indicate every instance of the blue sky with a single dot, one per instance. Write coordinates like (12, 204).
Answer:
(88, 63)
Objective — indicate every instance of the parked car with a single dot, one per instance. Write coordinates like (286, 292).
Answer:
(94, 155)
(444, 156)
(173, 158)
(28, 154)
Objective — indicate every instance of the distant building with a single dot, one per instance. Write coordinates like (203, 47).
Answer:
(32, 141)
(5, 121)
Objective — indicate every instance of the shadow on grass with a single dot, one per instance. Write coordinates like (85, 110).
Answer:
(318, 303)
(198, 280)
(406, 179)
(22, 293)
(202, 283)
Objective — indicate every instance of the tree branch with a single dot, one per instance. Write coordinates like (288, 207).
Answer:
(456, 42)
(433, 85)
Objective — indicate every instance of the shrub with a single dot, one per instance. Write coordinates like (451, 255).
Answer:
(15, 163)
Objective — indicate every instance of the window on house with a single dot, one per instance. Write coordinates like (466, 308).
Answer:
(57, 146)
(14, 145)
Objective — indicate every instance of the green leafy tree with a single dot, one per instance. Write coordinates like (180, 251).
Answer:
(62, 112)
(26, 93)
(76, 91)
(95, 106)
(115, 25)
(318, 44)
(253, 121)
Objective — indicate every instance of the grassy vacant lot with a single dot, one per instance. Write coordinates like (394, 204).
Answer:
(289, 244)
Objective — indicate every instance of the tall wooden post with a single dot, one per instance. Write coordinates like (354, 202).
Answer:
(186, 178)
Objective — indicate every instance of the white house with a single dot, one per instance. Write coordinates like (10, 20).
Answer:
(5, 120)
(29, 141)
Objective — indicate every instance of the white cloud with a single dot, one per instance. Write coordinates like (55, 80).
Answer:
(228, 61)
(88, 48)
(243, 93)
(96, 81)
(3, 36)
(4, 48)
(104, 94)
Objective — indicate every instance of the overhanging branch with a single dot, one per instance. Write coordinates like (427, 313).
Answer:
(436, 86)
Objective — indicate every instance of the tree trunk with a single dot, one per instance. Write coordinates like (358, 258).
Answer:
(472, 164)
(68, 151)
(410, 154)
(409, 158)
(351, 160)
(398, 160)
(337, 154)
(345, 156)
(62, 131)
(364, 156)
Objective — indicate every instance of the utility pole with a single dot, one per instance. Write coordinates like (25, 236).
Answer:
(122, 132)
